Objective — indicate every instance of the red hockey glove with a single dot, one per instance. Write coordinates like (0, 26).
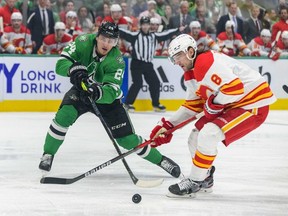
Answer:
(157, 134)
(276, 57)
(161, 139)
(212, 110)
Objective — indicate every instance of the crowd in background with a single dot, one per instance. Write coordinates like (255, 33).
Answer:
(234, 27)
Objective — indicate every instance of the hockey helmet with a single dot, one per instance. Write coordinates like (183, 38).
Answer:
(229, 24)
(265, 33)
(195, 24)
(16, 16)
(115, 8)
(144, 19)
(181, 44)
(59, 26)
(109, 29)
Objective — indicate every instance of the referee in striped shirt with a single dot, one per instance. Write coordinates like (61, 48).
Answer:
(144, 44)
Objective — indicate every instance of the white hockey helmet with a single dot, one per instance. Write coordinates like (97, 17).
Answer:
(16, 16)
(115, 8)
(72, 14)
(154, 20)
(59, 26)
(284, 34)
(181, 44)
(265, 33)
(195, 24)
(229, 24)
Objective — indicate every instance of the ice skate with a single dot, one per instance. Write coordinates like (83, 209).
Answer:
(159, 108)
(46, 162)
(207, 184)
(170, 166)
(187, 188)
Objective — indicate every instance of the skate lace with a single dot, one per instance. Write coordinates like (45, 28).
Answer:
(167, 166)
(46, 159)
(186, 184)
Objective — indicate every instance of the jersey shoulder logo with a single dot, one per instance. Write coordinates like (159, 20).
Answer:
(120, 60)
(83, 38)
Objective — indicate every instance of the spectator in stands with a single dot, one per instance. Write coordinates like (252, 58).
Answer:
(71, 25)
(246, 9)
(212, 8)
(175, 5)
(116, 16)
(206, 24)
(182, 19)
(225, 8)
(59, 6)
(269, 19)
(84, 20)
(232, 15)
(167, 16)
(281, 4)
(55, 14)
(231, 43)
(69, 6)
(281, 47)
(198, 3)
(6, 12)
(203, 40)
(282, 24)
(54, 43)
(160, 7)
(151, 11)
(253, 26)
(126, 13)
(16, 38)
(139, 7)
(20, 6)
(100, 16)
(261, 45)
(41, 23)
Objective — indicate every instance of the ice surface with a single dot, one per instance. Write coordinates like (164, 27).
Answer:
(251, 175)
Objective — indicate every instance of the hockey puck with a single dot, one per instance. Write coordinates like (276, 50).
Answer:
(136, 198)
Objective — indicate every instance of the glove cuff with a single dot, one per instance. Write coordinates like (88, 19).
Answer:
(166, 124)
(76, 67)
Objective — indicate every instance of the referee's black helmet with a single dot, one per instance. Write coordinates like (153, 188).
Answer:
(144, 19)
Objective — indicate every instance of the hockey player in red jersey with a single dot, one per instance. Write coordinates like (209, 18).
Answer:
(54, 43)
(16, 38)
(281, 48)
(203, 40)
(261, 46)
(231, 43)
(116, 16)
(71, 25)
(234, 99)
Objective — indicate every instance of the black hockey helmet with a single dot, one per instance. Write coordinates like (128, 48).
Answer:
(144, 19)
(109, 29)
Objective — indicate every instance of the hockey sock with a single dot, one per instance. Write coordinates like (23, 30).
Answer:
(64, 118)
(148, 153)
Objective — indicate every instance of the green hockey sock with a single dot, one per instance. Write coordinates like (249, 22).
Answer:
(148, 153)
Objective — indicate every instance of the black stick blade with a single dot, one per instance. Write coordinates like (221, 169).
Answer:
(54, 180)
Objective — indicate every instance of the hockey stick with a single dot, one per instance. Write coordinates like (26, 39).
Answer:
(135, 180)
(56, 180)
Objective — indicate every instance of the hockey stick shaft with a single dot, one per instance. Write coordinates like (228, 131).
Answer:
(56, 180)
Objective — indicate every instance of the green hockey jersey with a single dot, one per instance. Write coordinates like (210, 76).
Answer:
(108, 70)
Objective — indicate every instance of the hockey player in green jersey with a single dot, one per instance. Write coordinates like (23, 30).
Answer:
(97, 57)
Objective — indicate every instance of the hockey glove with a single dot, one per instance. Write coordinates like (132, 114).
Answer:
(78, 73)
(255, 53)
(94, 91)
(158, 133)
(211, 109)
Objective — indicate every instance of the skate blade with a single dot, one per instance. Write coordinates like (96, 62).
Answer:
(206, 190)
(185, 196)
